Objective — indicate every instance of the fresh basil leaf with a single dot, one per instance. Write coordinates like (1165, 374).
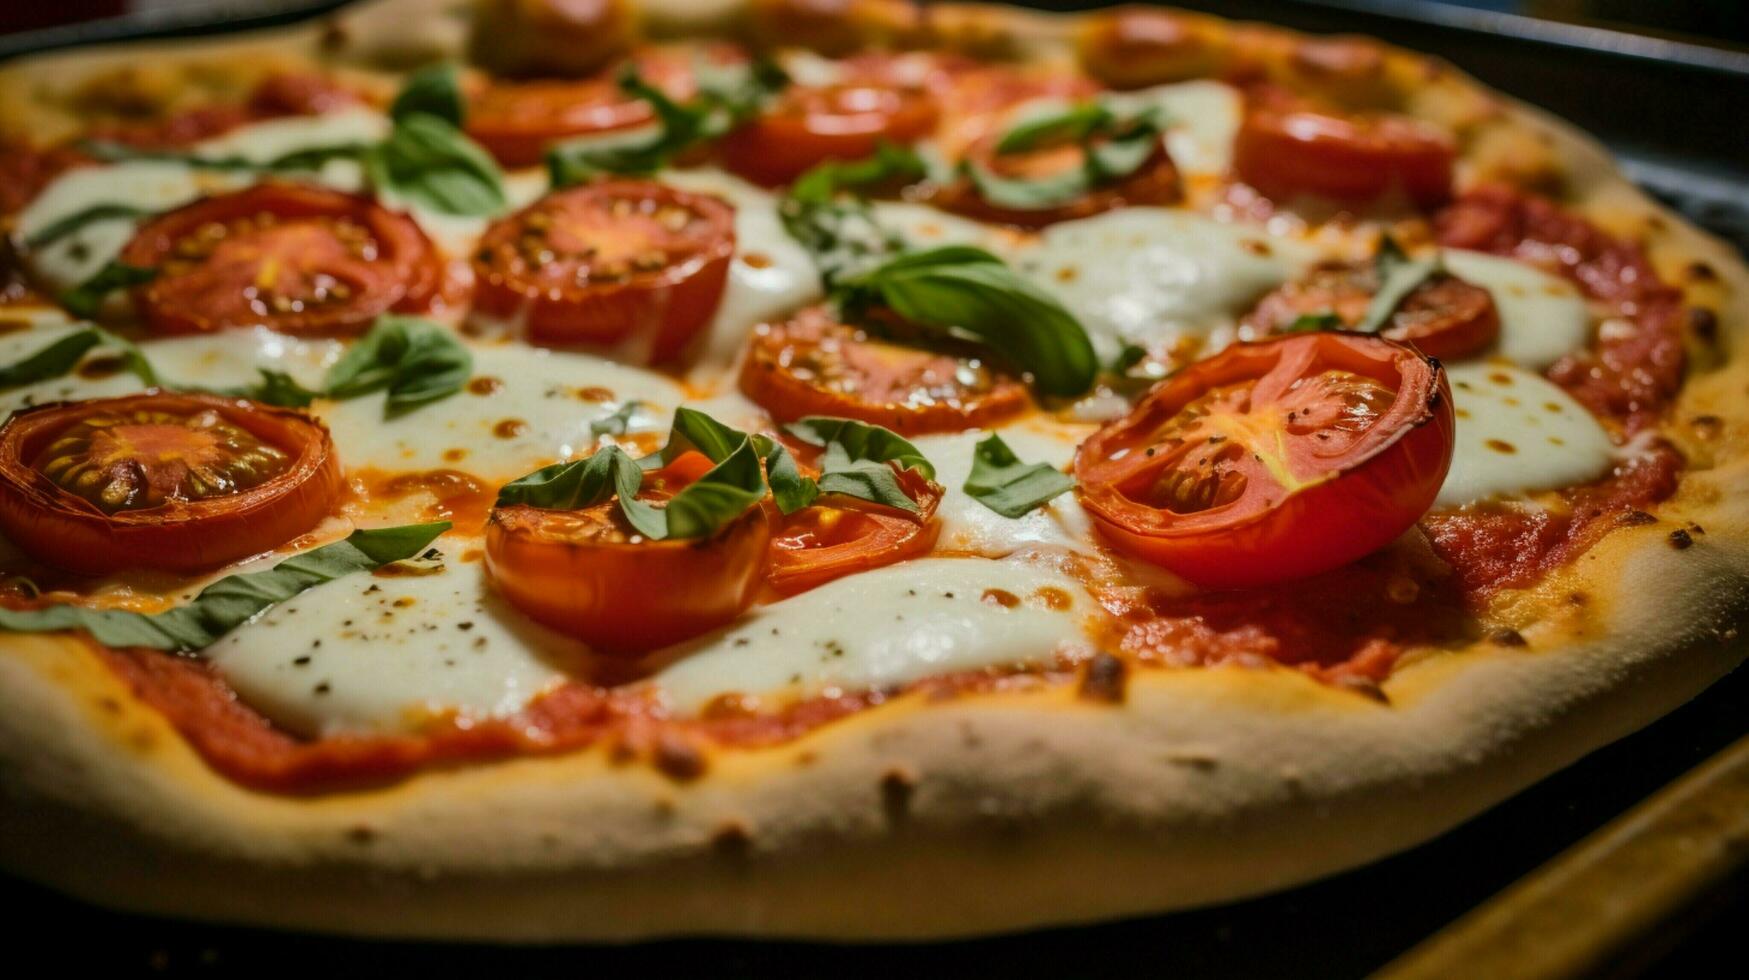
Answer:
(51, 360)
(416, 360)
(1001, 482)
(891, 163)
(702, 508)
(132, 357)
(861, 440)
(73, 223)
(1399, 278)
(1313, 322)
(790, 490)
(312, 158)
(232, 600)
(87, 298)
(864, 479)
(617, 423)
(1075, 124)
(274, 388)
(430, 163)
(434, 90)
(316, 157)
(1113, 148)
(968, 292)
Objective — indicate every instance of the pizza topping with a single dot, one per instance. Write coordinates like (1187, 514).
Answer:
(179, 482)
(1272, 461)
(294, 258)
(231, 601)
(1287, 148)
(1001, 482)
(621, 262)
(1063, 165)
(1413, 302)
(814, 365)
(806, 126)
(1518, 434)
(845, 534)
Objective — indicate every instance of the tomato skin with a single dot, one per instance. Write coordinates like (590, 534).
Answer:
(60, 528)
(1359, 501)
(1286, 149)
(516, 122)
(217, 290)
(664, 307)
(814, 365)
(810, 125)
(1445, 317)
(626, 597)
(839, 537)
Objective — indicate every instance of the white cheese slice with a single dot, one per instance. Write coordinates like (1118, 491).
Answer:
(884, 628)
(367, 653)
(969, 526)
(1542, 317)
(1201, 117)
(1150, 276)
(539, 413)
(1517, 433)
(152, 185)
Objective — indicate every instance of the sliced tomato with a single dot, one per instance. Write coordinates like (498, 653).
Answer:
(1286, 147)
(164, 481)
(1155, 182)
(1446, 317)
(977, 100)
(1275, 460)
(298, 259)
(589, 574)
(814, 365)
(631, 263)
(808, 125)
(842, 535)
(517, 121)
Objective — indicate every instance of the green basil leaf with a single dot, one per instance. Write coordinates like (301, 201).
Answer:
(51, 360)
(1075, 124)
(1001, 482)
(1313, 322)
(891, 163)
(617, 423)
(861, 441)
(86, 299)
(1403, 278)
(863, 479)
(232, 600)
(428, 162)
(968, 292)
(416, 360)
(434, 90)
(789, 488)
(274, 388)
(311, 158)
(702, 508)
(72, 223)
(316, 157)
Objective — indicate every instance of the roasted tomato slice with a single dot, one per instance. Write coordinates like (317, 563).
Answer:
(1286, 147)
(589, 574)
(841, 535)
(1273, 461)
(808, 125)
(814, 365)
(175, 482)
(1156, 182)
(298, 259)
(623, 263)
(1446, 317)
(517, 121)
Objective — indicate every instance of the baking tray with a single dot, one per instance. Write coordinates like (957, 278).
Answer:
(1644, 97)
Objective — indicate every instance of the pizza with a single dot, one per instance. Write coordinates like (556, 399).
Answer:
(535, 470)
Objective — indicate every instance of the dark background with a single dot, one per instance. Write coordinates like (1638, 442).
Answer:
(1674, 109)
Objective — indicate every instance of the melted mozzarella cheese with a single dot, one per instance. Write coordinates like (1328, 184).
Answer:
(153, 185)
(1542, 317)
(1150, 276)
(1201, 117)
(884, 628)
(539, 414)
(264, 142)
(367, 653)
(1517, 433)
(771, 274)
(969, 526)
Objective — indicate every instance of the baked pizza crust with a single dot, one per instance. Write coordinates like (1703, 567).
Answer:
(927, 819)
